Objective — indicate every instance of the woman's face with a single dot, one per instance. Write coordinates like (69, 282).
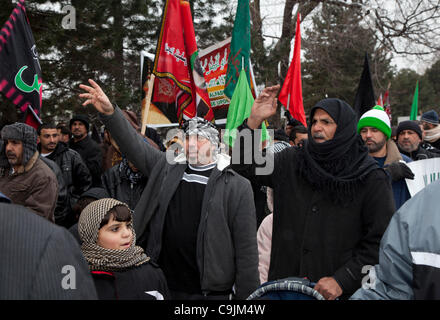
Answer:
(116, 235)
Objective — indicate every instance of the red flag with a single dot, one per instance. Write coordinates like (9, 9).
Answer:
(180, 82)
(379, 101)
(292, 84)
(386, 104)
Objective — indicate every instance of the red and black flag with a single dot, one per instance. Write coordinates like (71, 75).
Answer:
(20, 71)
(180, 89)
(386, 103)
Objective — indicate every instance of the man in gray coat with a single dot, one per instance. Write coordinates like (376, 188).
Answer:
(39, 260)
(409, 256)
(196, 216)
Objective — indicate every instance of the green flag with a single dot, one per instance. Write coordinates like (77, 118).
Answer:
(240, 109)
(414, 106)
(240, 47)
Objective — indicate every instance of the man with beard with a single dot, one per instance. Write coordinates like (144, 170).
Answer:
(88, 149)
(409, 140)
(196, 216)
(332, 202)
(76, 175)
(375, 129)
(24, 177)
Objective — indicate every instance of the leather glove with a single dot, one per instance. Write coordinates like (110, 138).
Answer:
(399, 170)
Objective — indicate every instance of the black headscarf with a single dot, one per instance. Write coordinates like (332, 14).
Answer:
(338, 165)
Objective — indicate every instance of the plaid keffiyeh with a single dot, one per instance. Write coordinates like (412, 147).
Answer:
(98, 257)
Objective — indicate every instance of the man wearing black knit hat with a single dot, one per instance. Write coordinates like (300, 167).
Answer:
(431, 128)
(409, 140)
(332, 201)
(89, 150)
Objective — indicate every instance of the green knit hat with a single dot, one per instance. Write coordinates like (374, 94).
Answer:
(377, 118)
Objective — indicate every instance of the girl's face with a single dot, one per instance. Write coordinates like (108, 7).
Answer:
(116, 235)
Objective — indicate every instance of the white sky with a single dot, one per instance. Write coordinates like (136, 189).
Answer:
(272, 14)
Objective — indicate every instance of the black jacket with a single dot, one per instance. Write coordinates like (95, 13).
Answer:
(76, 174)
(420, 154)
(119, 187)
(40, 260)
(146, 282)
(62, 209)
(313, 237)
(91, 154)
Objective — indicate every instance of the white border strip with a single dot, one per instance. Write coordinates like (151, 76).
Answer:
(426, 258)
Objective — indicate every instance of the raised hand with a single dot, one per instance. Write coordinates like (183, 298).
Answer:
(264, 106)
(97, 98)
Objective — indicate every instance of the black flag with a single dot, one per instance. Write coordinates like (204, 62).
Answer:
(365, 98)
(20, 71)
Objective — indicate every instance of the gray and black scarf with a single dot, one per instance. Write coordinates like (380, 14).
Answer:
(337, 166)
(98, 257)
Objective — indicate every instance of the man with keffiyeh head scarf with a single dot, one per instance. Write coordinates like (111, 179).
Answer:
(333, 202)
(196, 216)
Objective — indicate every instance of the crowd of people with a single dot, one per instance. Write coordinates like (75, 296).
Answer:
(142, 218)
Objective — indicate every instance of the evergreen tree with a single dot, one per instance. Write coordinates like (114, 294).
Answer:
(402, 93)
(105, 46)
(334, 55)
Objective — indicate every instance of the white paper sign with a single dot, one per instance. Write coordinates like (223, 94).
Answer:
(425, 172)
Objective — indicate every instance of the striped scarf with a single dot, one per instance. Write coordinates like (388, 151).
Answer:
(98, 257)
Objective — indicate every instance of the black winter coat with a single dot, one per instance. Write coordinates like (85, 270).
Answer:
(76, 174)
(119, 187)
(91, 153)
(146, 282)
(62, 209)
(314, 238)
(420, 154)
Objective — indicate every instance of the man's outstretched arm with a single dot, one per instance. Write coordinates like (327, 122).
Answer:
(130, 142)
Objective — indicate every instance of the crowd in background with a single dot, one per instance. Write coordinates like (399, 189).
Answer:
(139, 226)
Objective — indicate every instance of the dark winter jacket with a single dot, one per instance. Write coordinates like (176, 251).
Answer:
(40, 260)
(226, 250)
(431, 146)
(91, 154)
(312, 236)
(146, 282)
(76, 174)
(34, 186)
(400, 189)
(119, 187)
(420, 154)
(409, 258)
(62, 209)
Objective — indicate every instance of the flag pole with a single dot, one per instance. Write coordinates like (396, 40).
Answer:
(286, 109)
(147, 103)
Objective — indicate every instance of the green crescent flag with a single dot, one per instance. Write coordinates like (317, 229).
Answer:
(240, 109)
(415, 103)
(240, 47)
